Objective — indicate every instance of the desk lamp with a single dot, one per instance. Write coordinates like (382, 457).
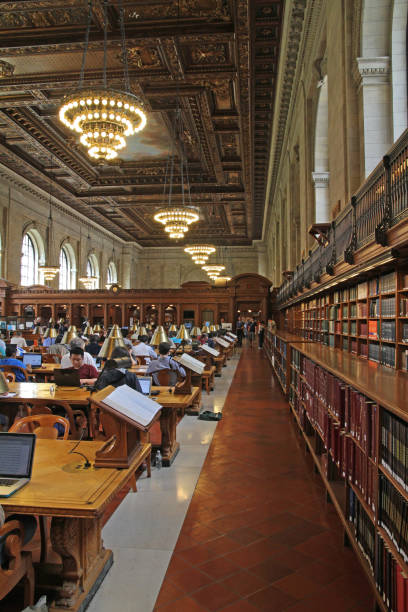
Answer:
(205, 329)
(97, 328)
(50, 332)
(159, 335)
(69, 335)
(88, 331)
(114, 339)
(173, 328)
(183, 335)
(213, 328)
(196, 331)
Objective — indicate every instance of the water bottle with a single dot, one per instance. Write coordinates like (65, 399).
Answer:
(159, 460)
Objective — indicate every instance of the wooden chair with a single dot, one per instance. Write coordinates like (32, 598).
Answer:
(43, 425)
(165, 377)
(15, 564)
(137, 359)
(10, 376)
(14, 369)
(76, 418)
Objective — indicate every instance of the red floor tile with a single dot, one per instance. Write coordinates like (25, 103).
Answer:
(259, 534)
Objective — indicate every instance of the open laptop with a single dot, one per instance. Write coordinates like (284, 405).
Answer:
(145, 384)
(32, 359)
(67, 377)
(16, 461)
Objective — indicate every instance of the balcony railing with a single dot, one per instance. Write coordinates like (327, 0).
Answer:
(380, 203)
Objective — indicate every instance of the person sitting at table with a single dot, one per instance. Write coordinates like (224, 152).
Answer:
(48, 341)
(165, 362)
(117, 376)
(2, 347)
(18, 340)
(10, 360)
(210, 340)
(87, 373)
(77, 342)
(142, 349)
(93, 347)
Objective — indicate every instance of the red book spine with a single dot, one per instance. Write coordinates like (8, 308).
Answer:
(401, 587)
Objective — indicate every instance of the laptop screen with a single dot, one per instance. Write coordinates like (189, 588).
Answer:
(145, 384)
(16, 454)
(32, 359)
(176, 340)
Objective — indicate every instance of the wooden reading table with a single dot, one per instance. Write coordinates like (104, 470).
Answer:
(75, 498)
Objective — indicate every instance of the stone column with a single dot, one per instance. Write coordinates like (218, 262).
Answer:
(375, 109)
(123, 308)
(160, 314)
(105, 315)
(322, 202)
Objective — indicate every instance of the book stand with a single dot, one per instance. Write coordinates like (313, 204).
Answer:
(124, 436)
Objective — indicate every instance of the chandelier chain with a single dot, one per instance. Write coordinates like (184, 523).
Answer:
(124, 50)
(88, 29)
(105, 41)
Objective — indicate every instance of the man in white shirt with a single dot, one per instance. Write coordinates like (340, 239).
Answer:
(143, 350)
(18, 339)
(66, 360)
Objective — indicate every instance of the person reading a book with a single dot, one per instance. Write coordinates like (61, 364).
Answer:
(165, 362)
(115, 372)
(88, 374)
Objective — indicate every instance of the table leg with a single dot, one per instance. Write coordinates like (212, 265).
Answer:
(84, 561)
(194, 409)
(168, 424)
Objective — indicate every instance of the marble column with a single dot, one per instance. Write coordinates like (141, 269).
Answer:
(322, 202)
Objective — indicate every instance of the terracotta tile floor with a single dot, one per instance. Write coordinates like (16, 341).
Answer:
(259, 534)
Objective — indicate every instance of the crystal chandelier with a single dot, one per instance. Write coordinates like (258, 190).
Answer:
(200, 252)
(214, 270)
(176, 218)
(103, 116)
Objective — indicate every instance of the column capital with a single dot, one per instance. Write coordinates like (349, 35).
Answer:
(321, 179)
(373, 70)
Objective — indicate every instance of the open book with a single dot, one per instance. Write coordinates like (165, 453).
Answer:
(222, 342)
(210, 350)
(133, 405)
(232, 335)
(189, 362)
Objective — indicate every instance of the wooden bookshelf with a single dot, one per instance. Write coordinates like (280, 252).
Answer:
(353, 415)
(368, 319)
(277, 347)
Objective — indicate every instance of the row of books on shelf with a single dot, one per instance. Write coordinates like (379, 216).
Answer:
(394, 447)
(382, 308)
(391, 582)
(383, 354)
(404, 307)
(393, 515)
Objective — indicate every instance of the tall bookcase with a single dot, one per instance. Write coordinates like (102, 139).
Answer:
(353, 416)
(368, 319)
(278, 347)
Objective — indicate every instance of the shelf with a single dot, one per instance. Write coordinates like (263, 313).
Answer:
(362, 501)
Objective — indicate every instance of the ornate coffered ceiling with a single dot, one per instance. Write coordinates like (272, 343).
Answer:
(218, 57)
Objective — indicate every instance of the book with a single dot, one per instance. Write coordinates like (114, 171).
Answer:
(190, 362)
(222, 342)
(210, 350)
(232, 335)
(133, 405)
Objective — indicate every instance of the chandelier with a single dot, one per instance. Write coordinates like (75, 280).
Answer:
(214, 270)
(200, 252)
(103, 116)
(176, 218)
(88, 281)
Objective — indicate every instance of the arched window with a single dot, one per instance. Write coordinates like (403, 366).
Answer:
(64, 272)
(92, 269)
(29, 262)
(67, 273)
(112, 276)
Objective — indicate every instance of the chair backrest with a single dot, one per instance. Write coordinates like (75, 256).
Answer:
(13, 369)
(166, 377)
(43, 425)
(76, 417)
(138, 360)
(144, 360)
(10, 376)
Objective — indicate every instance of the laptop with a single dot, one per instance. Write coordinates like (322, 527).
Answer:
(67, 377)
(16, 461)
(145, 384)
(32, 359)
